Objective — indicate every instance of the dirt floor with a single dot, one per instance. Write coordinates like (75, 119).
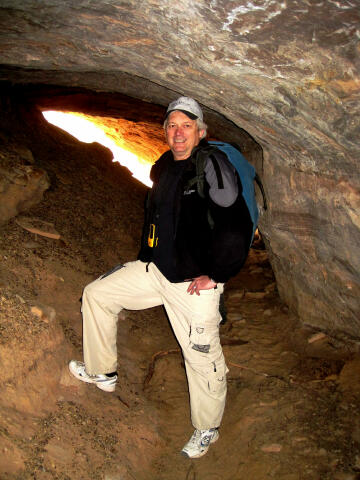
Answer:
(293, 400)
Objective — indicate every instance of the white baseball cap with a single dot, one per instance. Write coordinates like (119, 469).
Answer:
(187, 105)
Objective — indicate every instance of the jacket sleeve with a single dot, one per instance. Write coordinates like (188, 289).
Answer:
(223, 190)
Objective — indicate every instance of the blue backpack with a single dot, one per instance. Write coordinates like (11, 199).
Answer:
(246, 173)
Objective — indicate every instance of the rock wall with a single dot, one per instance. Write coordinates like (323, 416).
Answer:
(286, 72)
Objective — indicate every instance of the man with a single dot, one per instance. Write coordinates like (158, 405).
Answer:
(192, 243)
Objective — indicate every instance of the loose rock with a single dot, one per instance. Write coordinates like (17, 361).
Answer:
(273, 448)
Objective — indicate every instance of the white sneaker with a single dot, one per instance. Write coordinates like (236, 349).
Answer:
(200, 442)
(103, 382)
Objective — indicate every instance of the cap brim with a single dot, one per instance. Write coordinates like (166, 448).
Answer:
(192, 116)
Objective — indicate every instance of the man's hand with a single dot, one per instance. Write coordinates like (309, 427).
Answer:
(200, 283)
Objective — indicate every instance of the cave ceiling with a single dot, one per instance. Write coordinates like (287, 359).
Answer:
(268, 65)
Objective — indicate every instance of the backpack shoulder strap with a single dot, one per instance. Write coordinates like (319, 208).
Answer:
(260, 185)
(199, 160)
(217, 171)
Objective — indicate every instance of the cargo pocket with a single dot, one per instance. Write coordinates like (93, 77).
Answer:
(216, 377)
(200, 339)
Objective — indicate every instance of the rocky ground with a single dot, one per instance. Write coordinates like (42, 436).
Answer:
(293, 393)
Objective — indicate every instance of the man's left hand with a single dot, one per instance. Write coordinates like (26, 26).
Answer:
(200, 283)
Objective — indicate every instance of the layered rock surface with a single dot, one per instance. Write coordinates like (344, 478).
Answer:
(286, 72)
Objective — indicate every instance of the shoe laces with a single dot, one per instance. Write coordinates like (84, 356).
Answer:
(204, 436)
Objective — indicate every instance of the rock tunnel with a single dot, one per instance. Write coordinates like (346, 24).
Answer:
(279, 78)
(283, 75)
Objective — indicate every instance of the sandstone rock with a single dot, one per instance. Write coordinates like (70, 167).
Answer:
(300, 439)
(274, 403)
(21, 185)
(271, 287)
(272, 448)
(45, 313)
(349, 379)
(255, 295)
(322, 452)
(21, 300)
(345, 476)
(234, 316)
(357, 462)
(39, 227)
(236, 295)
(256, 270)
(316, 337)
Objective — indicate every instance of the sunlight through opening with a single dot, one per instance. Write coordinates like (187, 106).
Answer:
(88, 132)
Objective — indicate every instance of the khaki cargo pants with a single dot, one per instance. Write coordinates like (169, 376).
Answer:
(194, 319)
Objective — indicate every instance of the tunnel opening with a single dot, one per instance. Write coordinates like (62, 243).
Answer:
(103, 130)
(121, 122)
(138, 122)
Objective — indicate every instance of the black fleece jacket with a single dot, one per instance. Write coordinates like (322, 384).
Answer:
(188, 245)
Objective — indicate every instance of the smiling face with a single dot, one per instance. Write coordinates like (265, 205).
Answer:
(182, 134)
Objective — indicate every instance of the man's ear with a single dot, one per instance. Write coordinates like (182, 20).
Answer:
(201, 133)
